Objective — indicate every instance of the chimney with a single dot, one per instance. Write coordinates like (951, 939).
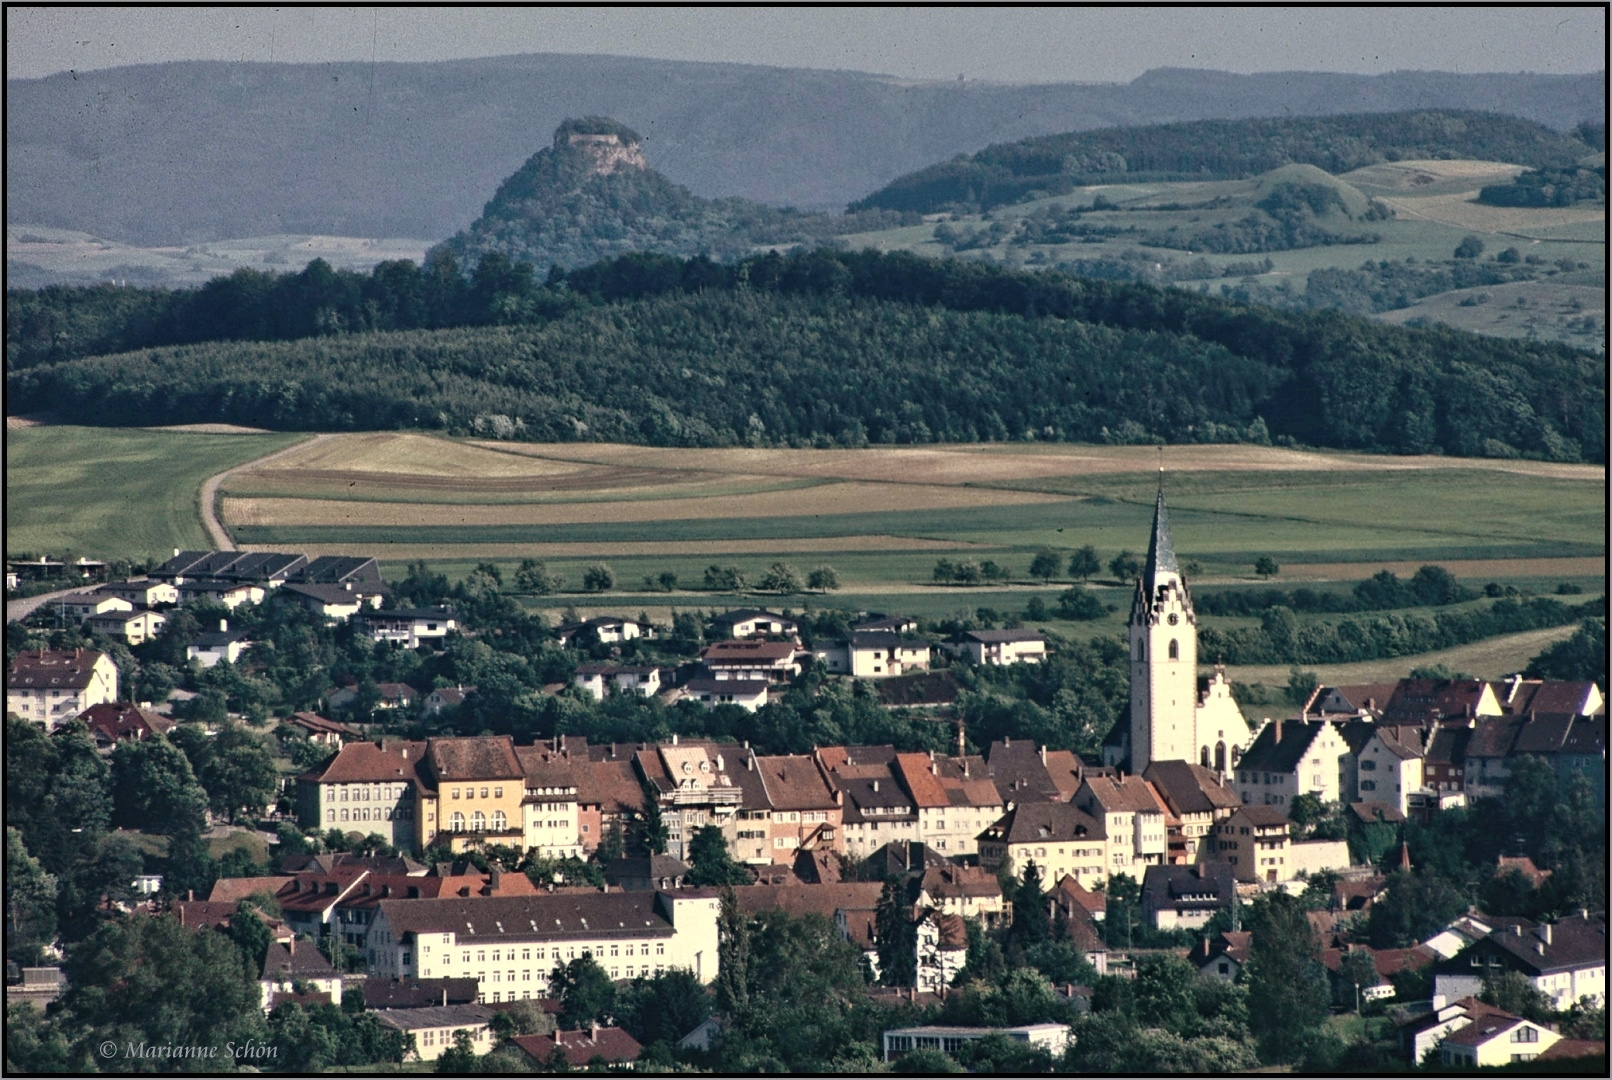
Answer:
(875, 785)
(190, 894)
(176, 553)
(720, 765)
(444, 997)
(223, 626)
(1516, 930)
(1043, 754)
(291, 946)
(674, 738)
(934, 769)
(593, 1032)
(1277, 737)
(1006, 742)
(1539, 947)
(1548, 934)
(495, 876)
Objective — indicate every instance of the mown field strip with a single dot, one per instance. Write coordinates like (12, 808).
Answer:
(836, 498)
(824, 545)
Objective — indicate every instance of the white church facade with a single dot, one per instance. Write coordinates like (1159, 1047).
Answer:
(1173, 716)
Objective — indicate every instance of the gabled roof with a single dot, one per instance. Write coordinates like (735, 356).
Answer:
(318, 725)
(1270, 754)
(920, 689)
(218, 639)
(234, 890)
(959, 881)
(367, 762)
(1483, 1029)
(747, 650)
(332, 594)
(610, 784)
(1588, 737)
(1122, 795)
(1546, 696)
(482, 757)
(728, 618)
(304, 962)
(1416, 701)
(791, 782)
(467, 1016)
(1575, 942)
(1543, 733)
(1354, 697)
(1261, 816)
(1020, 773)
(51, 669)
(1003, 637)
(1398, 741)
(1448, 746)
(579, 1047)
(1190, 789)
(739, 688)
(1493, 736)
(1071, 892)
(123, 721)
(1039, 822)
(925, 787)
(1206, 885)
(822, 900)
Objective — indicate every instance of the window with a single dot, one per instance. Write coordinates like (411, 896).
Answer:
(457, 822)
(1175, 648)
(498, 793)
(1368, 785)
(1367, 765)
(478, 822)
(456, 793)
(1525, 1034)
(499, 821)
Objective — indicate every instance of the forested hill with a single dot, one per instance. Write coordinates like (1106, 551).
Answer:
(841, 349)
(1223, 150)
(591, 196)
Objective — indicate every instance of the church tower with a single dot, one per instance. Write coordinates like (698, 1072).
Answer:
(1164, 655)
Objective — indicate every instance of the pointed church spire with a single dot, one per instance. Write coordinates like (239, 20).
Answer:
(1160, 551)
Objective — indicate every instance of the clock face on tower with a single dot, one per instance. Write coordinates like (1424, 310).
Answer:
(1174, 618)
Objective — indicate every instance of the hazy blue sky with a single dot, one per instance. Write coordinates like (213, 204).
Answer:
(997, 44)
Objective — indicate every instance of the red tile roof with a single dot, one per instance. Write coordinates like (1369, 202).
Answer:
(483, 757)
(52, 669)
(581, 1046)
(367, 762)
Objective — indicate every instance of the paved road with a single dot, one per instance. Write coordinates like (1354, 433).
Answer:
(18, 610)
(209, 492)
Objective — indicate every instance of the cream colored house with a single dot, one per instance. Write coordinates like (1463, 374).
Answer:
(1389, 769)
(434, 1028)
(84, 605)
(1060, 839)
(1495, 1040)
(1292, 758)
(1256, 842)
(1002, 646)
(552, 817)
(52, 686)
(134, 627)
(874, 654)
(1133, 820)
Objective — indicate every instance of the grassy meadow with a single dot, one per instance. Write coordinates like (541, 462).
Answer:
(116, 492)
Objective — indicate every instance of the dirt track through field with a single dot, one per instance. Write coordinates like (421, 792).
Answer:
(209, 493)
(650, 548)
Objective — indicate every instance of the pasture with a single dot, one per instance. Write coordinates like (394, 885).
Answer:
(116, 492)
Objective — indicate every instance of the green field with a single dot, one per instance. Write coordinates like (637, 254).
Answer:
(115, 492)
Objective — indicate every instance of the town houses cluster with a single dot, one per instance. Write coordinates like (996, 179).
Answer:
(1188, 798)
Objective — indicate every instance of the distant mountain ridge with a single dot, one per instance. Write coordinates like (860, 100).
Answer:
(191, 152)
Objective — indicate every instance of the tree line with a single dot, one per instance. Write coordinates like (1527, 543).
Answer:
(1219, 150)
(825, 348)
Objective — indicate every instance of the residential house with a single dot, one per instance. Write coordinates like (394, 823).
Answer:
(1463, 931)
(646, 873)
(408, 627)
(954, 798)
(1022, 772)
(1001, 646)
(1256, 842)
(1197, 799)
(579, 1048)
(337, 603)
(50, 686)
(604, 630)
(876, 809)
(851, 905)
(111, 724)
(84, 605)
(1364, 700)
(1444, 764)
(610, 796)
(1389, 767)
(942, 946)
(132, 627)
(510, 945)
(285, 966)
(767, 661)
(1059, 838)
(322, 731)
(1186, 897)
(753, 622)
(222, 645)
(1222, 956)
(1132, 815)
(789, 805)
(445, 697)
(1494, 1039)
(1080, 911)
(1418, 1036)
(711, 691)
(874, 654)
(691, 782)
(434, 1027)
(231, 594)
(356, 909)
(1565, 960)
(600, 679)
(476, 788)
(969, 892)
(1427, 701)
(552, 818)
(1292, 758)
(323, 570)
(1583, 753)
(370, 787)
(1487, 752)
(141, 592)
(1520, 696)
